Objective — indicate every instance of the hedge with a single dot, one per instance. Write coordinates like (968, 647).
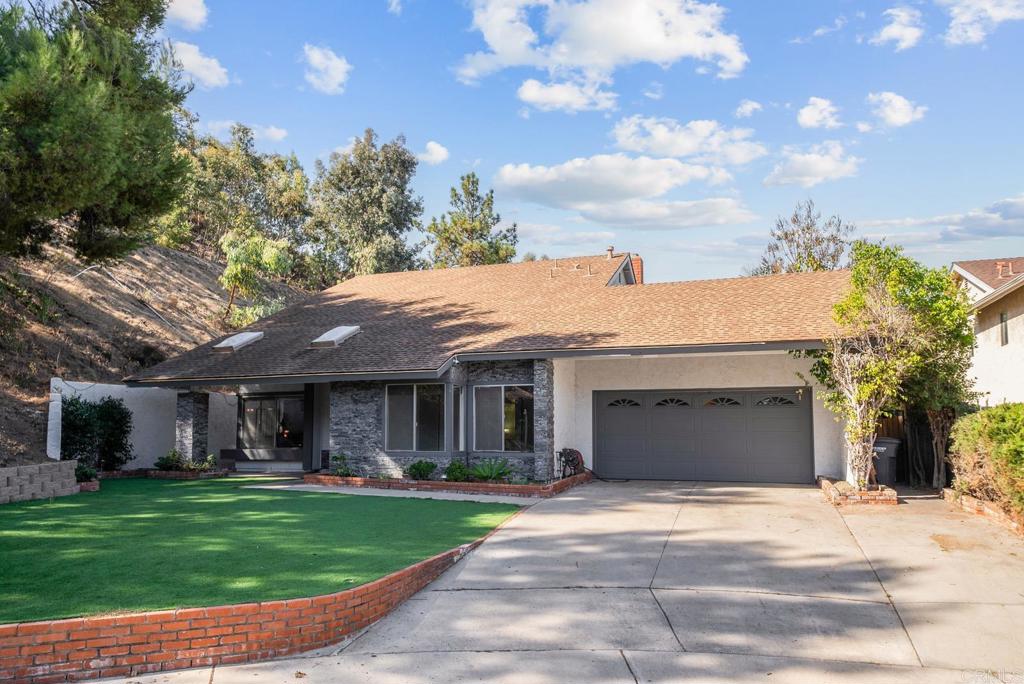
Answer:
(988, 456)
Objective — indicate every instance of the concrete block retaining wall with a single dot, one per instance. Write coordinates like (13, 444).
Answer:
(37, 481)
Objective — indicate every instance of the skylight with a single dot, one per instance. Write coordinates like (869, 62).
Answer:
(236, 342)
(335, 336)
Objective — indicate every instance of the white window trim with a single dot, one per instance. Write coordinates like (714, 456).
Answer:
(415, 420)
(501, 415)
(459, 437)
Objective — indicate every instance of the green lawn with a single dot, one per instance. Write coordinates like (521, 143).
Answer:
(155, 544)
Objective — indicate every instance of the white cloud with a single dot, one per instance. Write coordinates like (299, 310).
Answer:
(971, 21)
(1004, 218)
(703, 141)
(649, 214)
(566, 96)
(904, 28)
(864, 127)
(895, 110)
(191, 14)
(327, 71)
(434, 154)
(586, 41)
(819, 163)
(835, 26)
(204, 70)
(395, 6)
(747, 108)
(654, 91)
(222, 128)
(556, 236)
(818, 113)
(347, 147)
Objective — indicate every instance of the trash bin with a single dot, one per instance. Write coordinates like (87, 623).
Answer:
(885, 461)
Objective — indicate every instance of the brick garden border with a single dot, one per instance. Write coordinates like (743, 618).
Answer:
(842, 493)
(985, 509)
(137, 643)
(542, 491)
(161, 474)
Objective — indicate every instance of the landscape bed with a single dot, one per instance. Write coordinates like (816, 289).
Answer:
(543, 491)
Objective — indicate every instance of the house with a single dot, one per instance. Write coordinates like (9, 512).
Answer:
(996, 289)
(683, 380)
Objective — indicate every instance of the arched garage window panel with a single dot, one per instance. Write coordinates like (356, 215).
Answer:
(722, 401)
(673, 401)
(623, 402)
(775, 400)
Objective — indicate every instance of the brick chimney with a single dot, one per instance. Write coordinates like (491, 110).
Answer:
(638, 268)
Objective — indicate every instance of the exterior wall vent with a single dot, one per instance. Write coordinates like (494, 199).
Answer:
(335, 336)
(236, 342)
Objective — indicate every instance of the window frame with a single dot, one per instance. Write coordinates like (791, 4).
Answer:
(264, 396)
(415, 420)
(458, 426)
(501, 415)
(1004, 329)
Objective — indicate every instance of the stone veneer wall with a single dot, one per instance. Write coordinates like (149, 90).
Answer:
(38, 481)
(192, 425)
(357, 421)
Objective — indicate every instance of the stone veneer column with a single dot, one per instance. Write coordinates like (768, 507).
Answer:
(191, 426)
(544, 419)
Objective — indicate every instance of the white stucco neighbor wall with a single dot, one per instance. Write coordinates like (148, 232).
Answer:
(999, 370)
(584, 376)
(223, 425)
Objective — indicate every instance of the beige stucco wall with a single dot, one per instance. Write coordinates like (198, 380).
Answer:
(999, 370)
(577, 379)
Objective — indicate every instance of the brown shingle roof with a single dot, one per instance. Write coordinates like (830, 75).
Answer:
(417, 320)
(987, 270)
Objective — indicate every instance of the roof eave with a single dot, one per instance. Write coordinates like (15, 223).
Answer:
(999, 293)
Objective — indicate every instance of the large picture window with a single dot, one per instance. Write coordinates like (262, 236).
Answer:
(414, 415)
(503, 418)
(271, 422)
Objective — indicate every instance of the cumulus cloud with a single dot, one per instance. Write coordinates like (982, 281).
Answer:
(971, 21)
(895, 110)
(546, 234)
(1004, 218)
(395, 7)
(222, 128)
(905, 28)
(433, 154)
(585, 42)
(566, 96)
(817, 164)
(654, 91)
(818, 113)
(864, 127)
(190, 14)
(835, 26)
(654, 215)
(206, 71)
(747, 108)
(327, 72)
(702, 141)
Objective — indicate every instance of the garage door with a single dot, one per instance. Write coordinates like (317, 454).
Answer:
(720, 435)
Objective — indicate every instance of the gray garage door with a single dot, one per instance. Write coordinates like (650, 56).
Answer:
(721, 435)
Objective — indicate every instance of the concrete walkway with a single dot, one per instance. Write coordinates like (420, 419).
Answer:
(673, 582)
(401, 493)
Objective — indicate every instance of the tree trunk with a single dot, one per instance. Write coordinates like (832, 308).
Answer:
(941, 423)
(231, 302)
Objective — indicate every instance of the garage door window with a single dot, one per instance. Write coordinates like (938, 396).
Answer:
(672, 402)
(723, 401)
(775, 400)
(503, 418)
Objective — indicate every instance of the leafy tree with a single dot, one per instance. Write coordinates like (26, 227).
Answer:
(803, 242)
(362, 210)
(87, 126)
(251, 257)
(468, 235)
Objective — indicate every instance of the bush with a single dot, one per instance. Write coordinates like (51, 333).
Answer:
(491, 470)
(172, 461)
(96, 432)
(457, 471)
(84, 473)
(340, 467)
(421, 470)
(988, 456)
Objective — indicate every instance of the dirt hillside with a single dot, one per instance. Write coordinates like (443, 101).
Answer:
(59, 317)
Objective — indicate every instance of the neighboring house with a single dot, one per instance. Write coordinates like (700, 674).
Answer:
(684, 380)
(996, 288)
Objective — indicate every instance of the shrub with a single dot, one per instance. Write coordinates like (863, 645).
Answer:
(988, 456)
(457, 471)
(84, 473)
(77, 430)
(421, 470)
(96, 432)
(172, 461)
(113, 429)
(340, 467)
(206, 465)
(491, 470)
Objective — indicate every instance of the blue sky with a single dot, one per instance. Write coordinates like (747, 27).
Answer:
(615, 122)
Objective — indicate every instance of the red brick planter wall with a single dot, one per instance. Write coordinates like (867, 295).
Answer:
(985, 509)
(842, 493)
(528, 490)
(161, 474)
(129, 645)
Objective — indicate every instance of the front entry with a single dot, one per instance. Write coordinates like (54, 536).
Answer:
(760, 435)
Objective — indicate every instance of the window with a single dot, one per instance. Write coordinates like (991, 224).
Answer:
(458, 441)
(1004, 329)
(775, 400)
(623, 402)
(503, 418)
(673, 401)
(270, 422)
(722, 401)
(414, 415)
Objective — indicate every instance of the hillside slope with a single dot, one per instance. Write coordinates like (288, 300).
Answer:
(59, 317)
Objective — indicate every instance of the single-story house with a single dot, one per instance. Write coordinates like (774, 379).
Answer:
(681, 380)
(996, 289)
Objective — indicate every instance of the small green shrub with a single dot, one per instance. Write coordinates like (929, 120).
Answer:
(96, 432)
(457, 471)
(172, 461)
(205, 466)
(84, 473)
(340, 467)
(491, 470)
(421, 470)
(987, 456)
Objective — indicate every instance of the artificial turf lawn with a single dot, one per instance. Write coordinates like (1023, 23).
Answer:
(157, 544)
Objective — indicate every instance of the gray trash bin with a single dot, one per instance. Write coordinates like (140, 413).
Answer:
(885, 461)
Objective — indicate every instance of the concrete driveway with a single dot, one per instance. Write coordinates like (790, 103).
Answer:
(697, 582)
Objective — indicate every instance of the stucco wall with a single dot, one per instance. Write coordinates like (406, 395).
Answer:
(999, 370)
(574, 416)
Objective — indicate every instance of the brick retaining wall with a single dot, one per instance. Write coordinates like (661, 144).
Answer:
(498, 488)
(986, 509)
(38, 481)
(137, 643)
(161, 474)
(842, 493)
